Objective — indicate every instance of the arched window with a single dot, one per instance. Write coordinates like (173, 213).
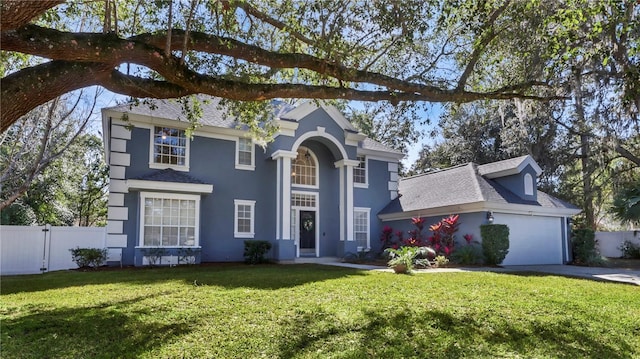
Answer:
(304, 168)
(528, 185)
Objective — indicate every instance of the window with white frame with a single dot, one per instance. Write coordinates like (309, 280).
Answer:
(169, 220)
(245, 154)
(244, 218)
(304, 169)
(360, 171)
(169, 148)
(528, 184)
(361, 227)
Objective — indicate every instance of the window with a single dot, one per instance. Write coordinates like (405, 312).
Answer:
(361, 227)
(303, 200)
(528, 184)
(304, 171)
(244, 217)
(245, 154)
(360, 172)
(170, 148)
(169, 220)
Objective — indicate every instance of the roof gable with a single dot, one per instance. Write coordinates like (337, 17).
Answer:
(508, 167)
(308, 107)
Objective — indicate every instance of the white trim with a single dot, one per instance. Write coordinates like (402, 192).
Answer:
(323, 134)
(120, 159)
(121, 213)
(252, 205)
(115, 199)
(317, 167)
(284, 153)
(381, 155)
(353, 139)
(118, 145)
(278, 196)
(116, 240)
(134, 184)
(368, 212)
(117, 185)
(117, 172)
(528, 184)
(187, 148)
(341, 205)
(160, 195)
(528, 161)
(508, 208)
(245, 167)
(286, 197)
(286, 128)
(349, 191)
(114, 227)
(120, 132)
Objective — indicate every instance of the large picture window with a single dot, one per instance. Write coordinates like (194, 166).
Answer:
(169, 220)
(244, 218)
(169, 148)
(304, 169)
(361, 227)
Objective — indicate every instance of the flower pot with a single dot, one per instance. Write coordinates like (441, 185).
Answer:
(400, 268)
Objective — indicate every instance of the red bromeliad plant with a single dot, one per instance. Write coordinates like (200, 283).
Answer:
(443, 238)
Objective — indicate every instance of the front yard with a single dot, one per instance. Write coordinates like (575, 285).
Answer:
(310, 311)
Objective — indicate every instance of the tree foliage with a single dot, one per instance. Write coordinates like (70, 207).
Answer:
(413, 50)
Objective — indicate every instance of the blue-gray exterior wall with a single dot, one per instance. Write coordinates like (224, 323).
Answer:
(469, 223)
(213, 161)
(515, 183)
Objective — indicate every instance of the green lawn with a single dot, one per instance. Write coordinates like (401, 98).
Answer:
(310, 311)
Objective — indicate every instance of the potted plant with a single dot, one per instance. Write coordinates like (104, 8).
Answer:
(404, 259)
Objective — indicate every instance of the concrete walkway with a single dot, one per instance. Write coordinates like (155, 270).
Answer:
(594, 273)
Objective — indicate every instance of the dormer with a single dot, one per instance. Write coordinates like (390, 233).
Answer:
(519, 175)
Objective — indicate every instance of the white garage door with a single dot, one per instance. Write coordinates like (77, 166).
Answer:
(532, 239)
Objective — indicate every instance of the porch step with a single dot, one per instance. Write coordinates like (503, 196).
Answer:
(316, 260)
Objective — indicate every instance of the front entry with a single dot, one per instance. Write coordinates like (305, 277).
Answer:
(307, 237)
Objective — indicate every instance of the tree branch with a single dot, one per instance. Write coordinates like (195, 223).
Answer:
(17, 13)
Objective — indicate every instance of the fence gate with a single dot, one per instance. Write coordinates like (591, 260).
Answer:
(39, 249)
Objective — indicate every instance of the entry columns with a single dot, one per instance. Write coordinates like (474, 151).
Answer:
(346, 198)
(283, 193)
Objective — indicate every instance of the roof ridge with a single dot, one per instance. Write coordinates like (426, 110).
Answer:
(474, 168)
(436, 171)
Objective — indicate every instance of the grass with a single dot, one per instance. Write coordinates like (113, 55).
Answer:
(309, 311)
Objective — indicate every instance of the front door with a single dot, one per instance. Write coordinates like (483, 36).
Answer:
(307, 233)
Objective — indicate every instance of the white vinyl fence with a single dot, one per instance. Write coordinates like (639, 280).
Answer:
(37, 249)
(609, 242)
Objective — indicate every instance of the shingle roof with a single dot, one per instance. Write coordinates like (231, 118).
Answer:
(457, 186)
(212, 114)
(169, 175)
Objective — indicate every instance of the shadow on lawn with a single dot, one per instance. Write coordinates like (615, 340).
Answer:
(94, 332)
(437, 334)
(270, 276)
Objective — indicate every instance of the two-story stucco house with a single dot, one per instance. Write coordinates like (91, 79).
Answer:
(320, 189)
(314, 191)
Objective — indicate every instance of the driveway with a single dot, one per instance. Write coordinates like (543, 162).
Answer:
(620, 275)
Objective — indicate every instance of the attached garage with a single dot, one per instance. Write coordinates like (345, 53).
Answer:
(533, 239)
(503, 192)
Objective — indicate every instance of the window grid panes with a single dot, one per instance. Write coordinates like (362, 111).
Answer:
(244, 218)
(245, 151)
(303, 200)
(303, 168)
(170, 146)
(169, 222)
(360, 172)
(361, 228)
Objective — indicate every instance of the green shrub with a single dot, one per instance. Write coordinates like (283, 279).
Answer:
(88, 257)
(467, 255)
(495, 242)
(254, 251)
(583, 243)
(630, 250)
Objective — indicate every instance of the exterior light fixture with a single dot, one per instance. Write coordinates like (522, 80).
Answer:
(490, 217)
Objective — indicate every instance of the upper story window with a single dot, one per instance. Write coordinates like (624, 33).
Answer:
(360, 172)
(170, 148)
(245, 154)
(528, 184)
(304, 169)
